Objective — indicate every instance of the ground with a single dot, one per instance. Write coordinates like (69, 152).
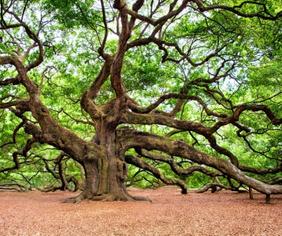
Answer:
(170, 213)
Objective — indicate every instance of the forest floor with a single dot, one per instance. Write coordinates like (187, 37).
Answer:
(170, 213)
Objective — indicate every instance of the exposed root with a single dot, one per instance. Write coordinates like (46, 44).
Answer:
(123, 197)
(141, 198)
(215, 187)
(105, 198)
(76, 199)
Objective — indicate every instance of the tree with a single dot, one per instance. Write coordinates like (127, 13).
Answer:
(196, 56)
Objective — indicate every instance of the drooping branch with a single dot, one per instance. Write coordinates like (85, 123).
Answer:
(162, 119)
(175, 167)
(144, 165)
(133, 139)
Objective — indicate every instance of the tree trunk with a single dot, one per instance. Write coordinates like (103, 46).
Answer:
(104, 178)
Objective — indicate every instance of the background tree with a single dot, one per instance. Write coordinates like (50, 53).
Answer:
(170, 87)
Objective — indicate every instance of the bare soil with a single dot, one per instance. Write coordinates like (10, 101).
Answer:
(170, 213)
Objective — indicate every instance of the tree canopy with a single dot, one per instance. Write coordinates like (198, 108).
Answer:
(98, 95)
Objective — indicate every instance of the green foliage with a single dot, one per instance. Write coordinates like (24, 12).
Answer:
(73, 13)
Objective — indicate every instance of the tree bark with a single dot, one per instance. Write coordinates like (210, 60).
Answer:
(105, 177)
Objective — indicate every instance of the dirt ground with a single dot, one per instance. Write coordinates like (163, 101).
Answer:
(170, 213)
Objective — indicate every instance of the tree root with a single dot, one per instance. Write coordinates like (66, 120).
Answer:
(141, 198)
(76, 199)
(105, 198)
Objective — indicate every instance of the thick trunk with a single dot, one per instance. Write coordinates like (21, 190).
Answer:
(104, 178)
(111, 170)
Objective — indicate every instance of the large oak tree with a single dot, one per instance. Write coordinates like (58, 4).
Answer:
(182, 67)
